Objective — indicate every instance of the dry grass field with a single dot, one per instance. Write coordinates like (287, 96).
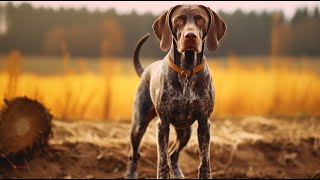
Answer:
(77, 88)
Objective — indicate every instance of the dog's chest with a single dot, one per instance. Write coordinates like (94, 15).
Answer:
(184, 109)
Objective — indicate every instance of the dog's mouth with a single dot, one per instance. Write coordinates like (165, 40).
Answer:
(191, 47)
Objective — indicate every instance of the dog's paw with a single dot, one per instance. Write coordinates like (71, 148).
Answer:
(131, 175)
(164, 176)
(204, 176)
(164, 173)
(204, 173)
(177, 172)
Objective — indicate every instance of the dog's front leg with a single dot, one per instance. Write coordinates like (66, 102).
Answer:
(204, 147)
(163, 171)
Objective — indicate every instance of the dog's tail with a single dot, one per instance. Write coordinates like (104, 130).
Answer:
(136, 59)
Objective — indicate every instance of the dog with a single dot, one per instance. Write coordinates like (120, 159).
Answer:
(178, 89)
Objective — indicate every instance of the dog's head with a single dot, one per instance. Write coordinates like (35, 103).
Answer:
(189, 25)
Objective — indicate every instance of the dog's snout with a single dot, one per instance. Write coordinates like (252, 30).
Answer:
(190, 35)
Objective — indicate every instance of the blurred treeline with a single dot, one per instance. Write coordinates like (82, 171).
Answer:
(44, 31)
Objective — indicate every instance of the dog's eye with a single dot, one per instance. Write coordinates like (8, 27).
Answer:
(201, 21)
(179, 21)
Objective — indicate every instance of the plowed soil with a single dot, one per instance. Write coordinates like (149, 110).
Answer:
(251, 147)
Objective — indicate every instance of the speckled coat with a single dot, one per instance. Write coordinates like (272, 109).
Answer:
(160, 91)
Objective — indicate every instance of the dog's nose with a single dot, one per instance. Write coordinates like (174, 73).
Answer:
(190, 35)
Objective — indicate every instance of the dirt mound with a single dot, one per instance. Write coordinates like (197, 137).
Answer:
(253, 147)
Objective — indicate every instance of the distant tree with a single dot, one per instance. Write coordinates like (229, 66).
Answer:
(55, 41)
(36, 31)
(316, 13)
(300, 15)
(84, 39)
(112, 37)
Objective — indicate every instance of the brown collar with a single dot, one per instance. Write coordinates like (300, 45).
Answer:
(186, 73)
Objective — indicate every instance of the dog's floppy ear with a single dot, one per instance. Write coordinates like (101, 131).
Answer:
(217, 29)
(162, 30)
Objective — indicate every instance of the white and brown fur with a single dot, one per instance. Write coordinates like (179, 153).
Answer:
(160, 92)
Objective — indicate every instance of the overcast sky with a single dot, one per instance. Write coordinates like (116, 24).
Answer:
(157, 7)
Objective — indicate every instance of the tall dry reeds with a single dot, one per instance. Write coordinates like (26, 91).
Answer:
(278, 86)
(13, 71)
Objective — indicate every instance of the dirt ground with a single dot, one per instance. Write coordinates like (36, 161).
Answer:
(251, 147)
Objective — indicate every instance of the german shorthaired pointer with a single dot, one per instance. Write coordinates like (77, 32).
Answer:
(178, 89)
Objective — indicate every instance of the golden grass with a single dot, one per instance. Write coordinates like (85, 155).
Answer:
(240, 89)
(279, 89)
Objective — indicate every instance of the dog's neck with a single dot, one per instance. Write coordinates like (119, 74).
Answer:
(186, 60)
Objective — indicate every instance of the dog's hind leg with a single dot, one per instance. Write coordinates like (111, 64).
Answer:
(183, 136)
(143, 113)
